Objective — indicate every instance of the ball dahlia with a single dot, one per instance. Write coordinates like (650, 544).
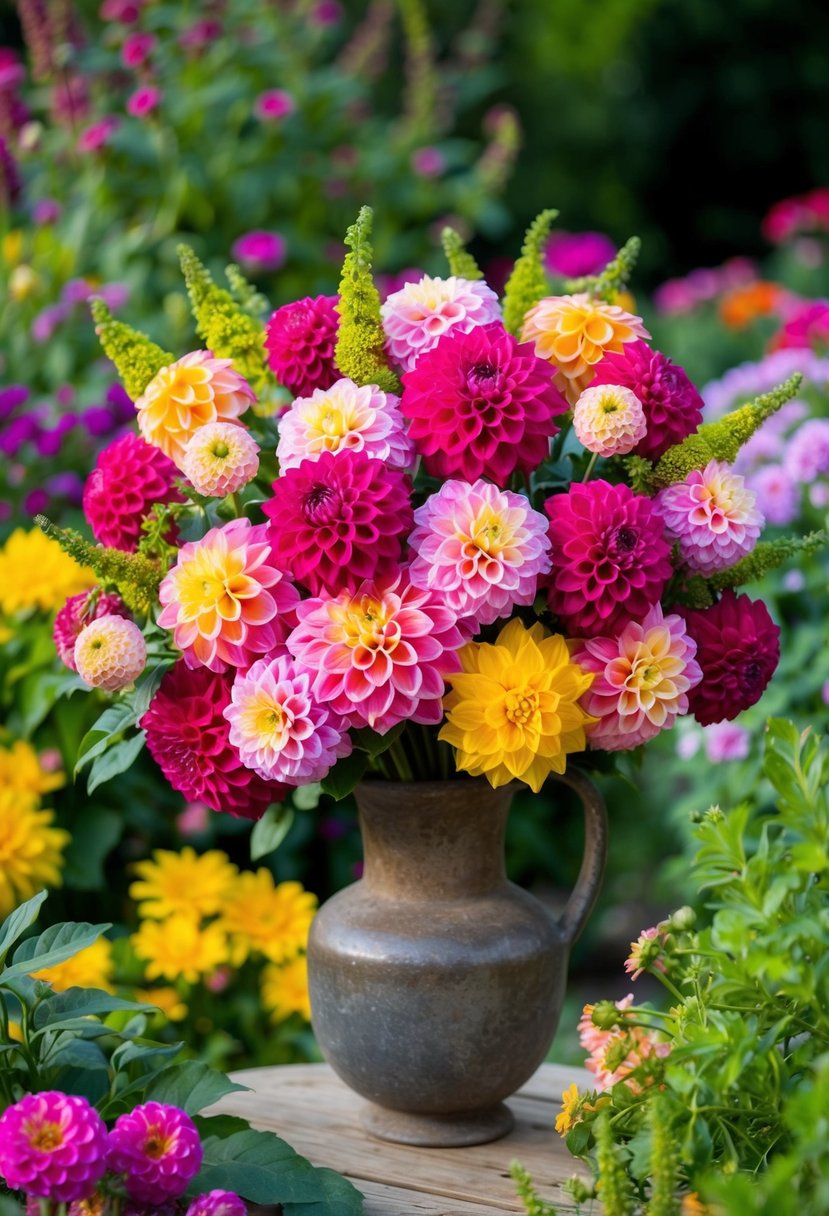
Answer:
(609, 420)
(217, 1203)
(158, 1148)
(78, 611)
(347, 415)
(187, 394)
(301, 339)
(712, 515)
(129, 478)
(220, 459)
(417, 316)
(110, 653)
(738, 649)
(480, 404)
(53, 1146)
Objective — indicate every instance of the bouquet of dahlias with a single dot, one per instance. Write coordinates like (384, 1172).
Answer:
(481, 536)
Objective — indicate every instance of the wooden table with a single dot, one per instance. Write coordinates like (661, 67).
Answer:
(307, 1105)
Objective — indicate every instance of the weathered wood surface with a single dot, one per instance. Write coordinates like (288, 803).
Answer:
(309, 1107)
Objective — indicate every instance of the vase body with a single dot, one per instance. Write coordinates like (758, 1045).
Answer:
(436, 984)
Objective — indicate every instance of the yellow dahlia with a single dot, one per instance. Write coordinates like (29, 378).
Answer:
(36, 573)
(31, 850)
(285, 989)
(183, 883)
(21, 770)
(180, 947)
(89, 968)
(513, 711)
(265, 918)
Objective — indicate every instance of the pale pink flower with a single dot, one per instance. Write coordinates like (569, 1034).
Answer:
(347, 415)
(110, 653)
(644, 953)
(220, 459)
(726, 741)
(713, 516)
(417, 316)
(609, 420)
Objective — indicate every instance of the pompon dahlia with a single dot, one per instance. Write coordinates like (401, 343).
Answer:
(609, 420)
(129, 478)
(78, 612)
(643, 677)
(187, 394)
(480, 404)
(301, 339)
(189, 739)
(217, 1203)
(417, 316)
(480, 549)
(738, 649)
(672, 405)
(157, 1148)
(347, 415)
(713, 516)
(220, 459)
(379, 655)
(611, 558)
(574, 332)
(110, 653)
(277, 727)
(53, 1146)
(225, 600)
(339, 520)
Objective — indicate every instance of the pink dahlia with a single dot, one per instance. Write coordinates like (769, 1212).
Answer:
(53, 1146)
(673, 407)
(225, 600)
(217, 1203)
(189, 739)
(379, 655)
(338, 520)
(480, 549)
(278, 729)
(417, 316)
(129, 478)
(738, 649)
(643, 676)
(300, 339)
(713, 517)
(574, 254)
(346, 415)
(611, 558)
(481, 404)
(807, 327)
(158, 1148)
(78, 611)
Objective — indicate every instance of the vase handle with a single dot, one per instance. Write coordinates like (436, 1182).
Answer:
(581, 901)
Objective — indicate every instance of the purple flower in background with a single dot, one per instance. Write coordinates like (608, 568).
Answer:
(388, 284)
(114, 295)
(274, 104)
(326, 12)
(199, 35)
(12, 398)
(573, 254)
(143, 101)
(67, 486)
(819, 495)
(778, 497)
(98, 134)
(76, 291)
(19, 432)
(807, 456)
(126, 12)
(726, 741)
(98, 420)
(794, 580)
(64, 395)
(47, 321)
(260, 251)
(48, 441)
(428, 162)
(120, 402)
(36, 502)
(137, 49)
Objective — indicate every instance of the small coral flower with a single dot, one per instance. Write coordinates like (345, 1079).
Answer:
(110, 653)
(645, 953)
(609, 420)
(713, 516)
(220, 459)
(187, 394)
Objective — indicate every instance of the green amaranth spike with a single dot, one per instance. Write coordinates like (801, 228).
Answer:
(615, 276)
(613, 1186)
(528, 282)
(360, 352)
(461, 263)
(765, 556)
(245, 294)
(664, 1162)
(136, 357)
(135, 577)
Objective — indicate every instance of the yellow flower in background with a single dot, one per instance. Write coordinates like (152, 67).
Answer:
(285, 989)
(89, 968)
(179, 947)
(36, 573)
(166, 1000)
(31, 849)
(21, 770)
(186, 882)
(273, 920)
(12, 246)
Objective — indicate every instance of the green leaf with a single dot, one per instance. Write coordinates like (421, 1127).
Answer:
(78, 1053)
(191, 1086)
(16, 924)
(146, 686)
(345, 774)
(269, 831)
(55, 945)
(306, 797)
(374, 744)
(75, 1003)
(95, 832)
(112, 723)
(115, 760)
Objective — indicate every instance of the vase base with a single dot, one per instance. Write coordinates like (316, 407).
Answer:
(437, 1131)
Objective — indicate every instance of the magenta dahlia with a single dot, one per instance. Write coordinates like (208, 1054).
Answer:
(338, 520)
(129, 478)
(481, 404)
(53, 1145)
(78, 611)
(158, 1148)
(738, 649)
(217, 1203)
(189, 739)
(611, 558)
(300, 339)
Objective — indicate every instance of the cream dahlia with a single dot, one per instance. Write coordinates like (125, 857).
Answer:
(417, 316)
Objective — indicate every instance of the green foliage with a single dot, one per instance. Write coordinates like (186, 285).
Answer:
(614, 277)
(137, 359)
(461, 262)
(133, 576)
(360, 352)
(528, 282)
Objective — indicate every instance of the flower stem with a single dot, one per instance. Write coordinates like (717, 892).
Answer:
(400, 760)
(590, 466)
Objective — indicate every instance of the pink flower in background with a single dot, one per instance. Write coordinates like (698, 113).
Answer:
(259, 251)
(125, 12)
(807, 326)
(98, 135)
(12, 71)
(46, 211)
(712, 515)
(274, 104)
(194, 820)
(574, 254)
(143, 101)
(417, 316)
(726, 741)
(609, 420)
(360, 418)
(326, 12)
(130, 477)
(76, 614)
(427, 162)
(300, 340)
(136, 49)
(52, 1146)
(158, 1148)
(807, 454)
(738, 649)
(200, 34)
(777, 495)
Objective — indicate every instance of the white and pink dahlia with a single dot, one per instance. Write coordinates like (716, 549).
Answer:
(110, 653)
(379, 655)
(481, 549)
(609, 420)
(417, 316)
(220, 459)
(642, 680)
(278, 729)
(712, 515)
(347, 415)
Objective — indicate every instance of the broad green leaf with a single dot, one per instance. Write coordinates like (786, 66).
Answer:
(374, 744)
(148, 1054)
(192, 1086)
(115, 760)
(18, 921)
(80, 1002)
(112, 723)
(306, 797)
(55, 945)
(345, 775)
(78, 1053)
(269, 831)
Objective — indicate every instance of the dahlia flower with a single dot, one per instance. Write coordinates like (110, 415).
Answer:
(300, 339)
(129, 478)
(480, 549)
(187, 394)
(346, 415)
(217, 1203)
(574, 332)
(186, 881)
(643, 677)
(417, 316)
(278, 729)
(338, 520)
(158, 1148)
(180, 947)
(609, 420)
(36, 573)
(514, 710)
(225, 600)
(220, 459)
(188, 737)
(78, 611)
(378, 655)
(713, 517)
(738, 649)
(611, 559)
(110, 653)
(807, 327)
(53, 1146)
(267, 918)
(481, 405)
(285, 989)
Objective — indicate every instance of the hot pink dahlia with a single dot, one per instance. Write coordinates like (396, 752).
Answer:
(339, 520)
(713, 516)
(379, 655)
(278, 729)
(300, 339)
(225, 600)
(217, 1203)
(78, 611)
(481, 404)
(417, 316)
(347, 415)
(129, 477)
(643, 677)
(480, 549)
(158, 1148)
(738, 649)
(53, 1145)
(808, 326)
(673, 407)
(611, 558)
(189, 739)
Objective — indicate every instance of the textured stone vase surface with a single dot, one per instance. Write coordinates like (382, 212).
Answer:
(436, 984)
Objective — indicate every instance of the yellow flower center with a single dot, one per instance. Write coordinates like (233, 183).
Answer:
(220, 449)
(367, 625)
(213, 582)
(264, 720)
(521, 707)
(156, 1144)
(45, 1136)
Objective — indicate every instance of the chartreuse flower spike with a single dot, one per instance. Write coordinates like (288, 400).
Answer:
(360, 352)
(615, 275)
(461, 263)
(135, 577)
(528, 282)
(766, 556)
(136, 357)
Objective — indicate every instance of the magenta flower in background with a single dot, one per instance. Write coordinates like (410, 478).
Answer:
(217, 1203)
(738, 649)
(125, 12)
(98, 135)
(53, 1145)
(36, 501)
(143, 101)
(427, 162)
(136, 49)
(158, 1148)
(573, 254)
(11, 399)
(274, 104)
(807, 326)
(260, 252)
(76, 291)
(200, 35)
(47, 321)
(300, 339)
(726, 741)
(326, 12)
(114, 295)
(12, 71)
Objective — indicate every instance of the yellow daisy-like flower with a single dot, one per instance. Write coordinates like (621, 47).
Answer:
(186, 395)
(285, 989)
(269, 919)
(31, 850)
(166, 1000)
(179, 947)
(570, 1103)
(36, 573)
(21, 770)
(513, 711)
(184, 883)
(89, 968)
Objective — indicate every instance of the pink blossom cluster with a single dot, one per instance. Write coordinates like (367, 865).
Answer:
(677, 296)
(802, 214)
